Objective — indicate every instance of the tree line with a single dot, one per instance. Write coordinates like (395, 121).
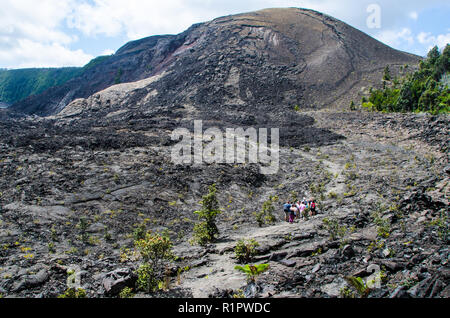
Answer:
(425, 90)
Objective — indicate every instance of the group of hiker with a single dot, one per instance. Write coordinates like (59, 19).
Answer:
(299, 209)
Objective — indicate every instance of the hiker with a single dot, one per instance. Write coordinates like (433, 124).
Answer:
(297, 204)
(305, 202)
(292, 214)
(302, 208)
(313, 207)
(287, 210)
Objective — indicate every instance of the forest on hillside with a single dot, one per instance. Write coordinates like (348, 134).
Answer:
(16, 85)
(425, 90)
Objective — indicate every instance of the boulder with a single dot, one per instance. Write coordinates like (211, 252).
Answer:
(115, 281)
(276, 257)
(316, 269)
(31, 281)
(348, 252)
(288, 263)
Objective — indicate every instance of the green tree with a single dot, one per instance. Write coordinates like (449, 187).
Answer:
(118, 78)
(266, 216)
(406, 99)
(15, 85)
(387, 74)
(433, 56)
(442, 64)
(425, 90)
(206, 231)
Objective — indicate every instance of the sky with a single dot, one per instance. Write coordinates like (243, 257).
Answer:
(59, 33)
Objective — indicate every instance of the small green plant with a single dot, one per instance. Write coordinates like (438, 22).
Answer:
(346, 292)
(408, 283)
(51, 247)
(73, 293)
(239, 294)
(246, 250)
(441, 225)
(332, 195)
(180, 271)
(360, 286)
(335, 230)
(253, 271)
(127, 292)
(317, 252)
(383, 225)
(147, 280)
(82, 226)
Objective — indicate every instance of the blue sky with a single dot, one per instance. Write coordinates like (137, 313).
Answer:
(56, 33)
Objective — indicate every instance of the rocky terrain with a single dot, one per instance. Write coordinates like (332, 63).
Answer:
(390, 167)
(76, 185)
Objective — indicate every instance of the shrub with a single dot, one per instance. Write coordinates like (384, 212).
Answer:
(441, 225)
(82, 226)
(359, 284)
(206, 231)
(346, 292)
(246, 250)
(139, 232)
(383, 225)
(127, 292)
(73, 293)
(334, 229)
(155, 250)
(147, 280)
(266, 216)
(332, 195)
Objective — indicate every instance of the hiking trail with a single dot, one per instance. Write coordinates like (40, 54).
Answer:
(218, 268)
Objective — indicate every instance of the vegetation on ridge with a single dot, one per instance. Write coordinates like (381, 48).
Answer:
(16, 85)
(425, 90)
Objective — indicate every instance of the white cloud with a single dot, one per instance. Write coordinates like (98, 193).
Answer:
(396, 38)
(414, 15)
(426, 38)
(137, 18)
(108, 52)
(31, 34)
(34, 20)
(27, 54)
